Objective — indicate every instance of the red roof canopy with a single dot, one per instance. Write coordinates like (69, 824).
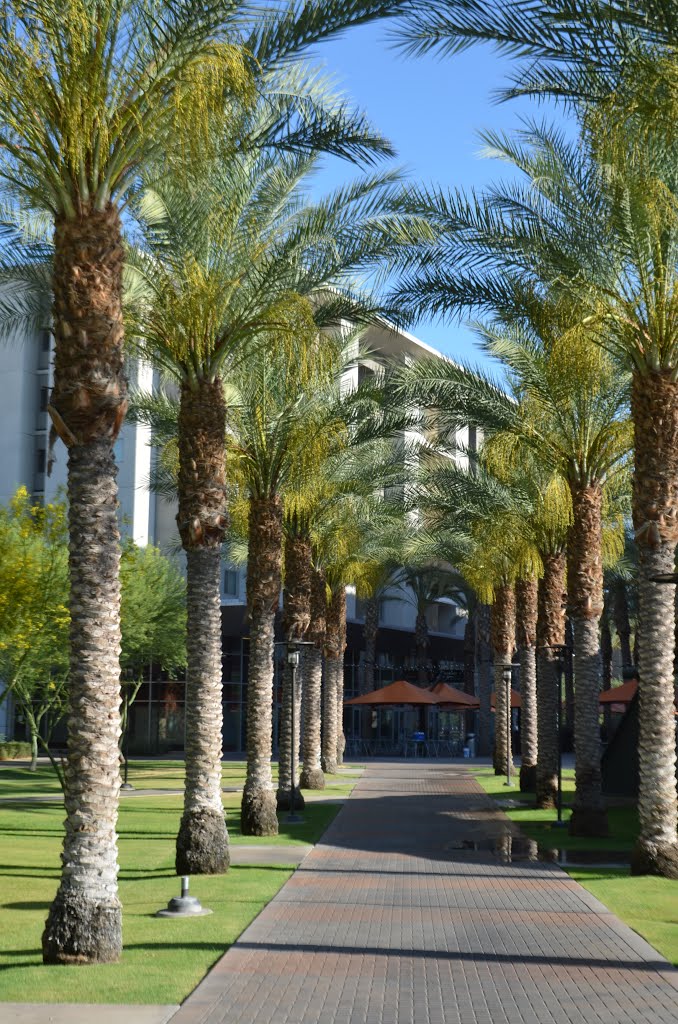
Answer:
(447, 694)
(623, 694)
(516, 701)
(400, 692)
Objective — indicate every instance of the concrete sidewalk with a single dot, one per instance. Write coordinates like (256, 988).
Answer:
(397, 919)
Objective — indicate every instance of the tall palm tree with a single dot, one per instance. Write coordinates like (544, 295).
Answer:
(91, 94)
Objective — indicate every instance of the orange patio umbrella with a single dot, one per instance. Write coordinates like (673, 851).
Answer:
(400, 692)
(450, 697)
(516, 701)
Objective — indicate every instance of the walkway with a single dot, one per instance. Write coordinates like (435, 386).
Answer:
(399, 917)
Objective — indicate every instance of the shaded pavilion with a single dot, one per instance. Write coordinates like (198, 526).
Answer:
(399, 713)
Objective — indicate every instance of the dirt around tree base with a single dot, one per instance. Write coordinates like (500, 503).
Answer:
(258, 813)
(589, 821)
(202, 844)
(79, 931)
(283, 799)
(546, 788)
(528, 778)
(655, 859)
(312, 779)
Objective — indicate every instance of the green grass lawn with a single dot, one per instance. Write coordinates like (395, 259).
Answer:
(540, 825)
(163, 960)
(648, 905)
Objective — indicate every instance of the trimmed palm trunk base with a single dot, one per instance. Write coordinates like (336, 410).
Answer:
(503, 628)
(503, 755)
(85, 920)
(329, 724)
(526, 630)
(585, 598)
(202, 842)
(550, 634)
(285, 742)
(589, 816)
(656, 850)
(264, 577)
(312, 776)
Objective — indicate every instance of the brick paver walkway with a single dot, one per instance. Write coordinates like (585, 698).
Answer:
(396, 919)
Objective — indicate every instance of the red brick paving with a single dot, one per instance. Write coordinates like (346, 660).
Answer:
(390, 921)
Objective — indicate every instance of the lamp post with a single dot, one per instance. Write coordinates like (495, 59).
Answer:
(292, 656)
(125, 783)
(507, 667)
(562, 652)
(293, 662)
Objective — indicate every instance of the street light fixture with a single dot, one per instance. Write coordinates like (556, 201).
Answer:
(292, 657)
(561, 652)
(507, 669)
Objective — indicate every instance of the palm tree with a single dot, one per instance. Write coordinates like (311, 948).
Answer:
(91, 94)
(527, 591)
(421, 586)
(312, 776)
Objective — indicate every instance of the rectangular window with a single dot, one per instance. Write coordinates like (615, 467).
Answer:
(40, 460)
(44, 399)
(230, 583)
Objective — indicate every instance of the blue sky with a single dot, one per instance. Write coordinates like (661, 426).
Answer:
(432, 111)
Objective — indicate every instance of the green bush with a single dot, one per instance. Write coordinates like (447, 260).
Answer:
(14, 749)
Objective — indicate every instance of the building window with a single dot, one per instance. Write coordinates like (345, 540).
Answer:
(44, 399)
(230, 583)
(45, 339)
(40, 460)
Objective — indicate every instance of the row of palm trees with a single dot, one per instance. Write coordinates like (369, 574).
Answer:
(572, 266)
(101, 103)
(169, 148)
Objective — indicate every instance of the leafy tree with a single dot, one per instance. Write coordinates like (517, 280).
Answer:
(152, 617)
(34, 618)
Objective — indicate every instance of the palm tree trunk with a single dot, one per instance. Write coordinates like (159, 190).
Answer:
(421, 643)
(312, 774)
(202, 842)
(654, 407)
(85, 919)
(296, 617)
(370, 631)
(503, 627)
(484, 745)
(585, 598)
(87, 407)
(340, 598)
(332, 654)
(622, 624)
(264, 577)
(526, 633)
(550, 634)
